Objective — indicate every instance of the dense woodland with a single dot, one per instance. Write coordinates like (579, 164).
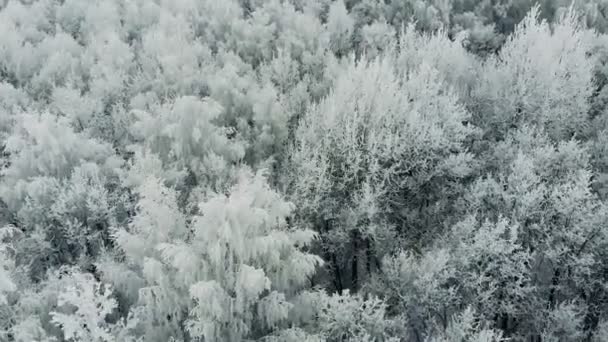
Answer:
(303, 170)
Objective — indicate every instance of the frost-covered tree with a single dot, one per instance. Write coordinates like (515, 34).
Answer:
(364, 156)
(158, 302)
(171, 61)
(340, 27)
(544, 190)
(464, 327)
(449, 56)
(227, 275)
(71, 305)
(183, 135)
(340, 317)
(252, 261)
(542, 76)
(83, 307)
(7, 284)
(58, 188)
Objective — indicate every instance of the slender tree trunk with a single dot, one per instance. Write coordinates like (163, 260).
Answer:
(368, 256)
(552, 292)
(333, 260)
(337, 274)
(355, 261)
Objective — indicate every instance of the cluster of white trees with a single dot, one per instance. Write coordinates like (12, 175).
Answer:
(303, 170)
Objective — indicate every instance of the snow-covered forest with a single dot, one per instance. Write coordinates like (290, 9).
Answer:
(303, 170)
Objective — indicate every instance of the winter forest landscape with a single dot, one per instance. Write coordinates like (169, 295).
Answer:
(303, 170)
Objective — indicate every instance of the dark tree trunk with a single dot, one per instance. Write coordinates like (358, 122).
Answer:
(355, 260)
